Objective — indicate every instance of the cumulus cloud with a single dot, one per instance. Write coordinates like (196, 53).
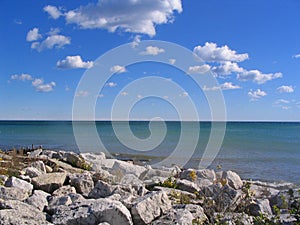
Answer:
(118, 69)
(111, 84)
(227, 68)
(74, 62)
(210, 52)
(296, 56)
(199, 69)
(257, 76)
(53, 11)
(136, 41)
(285, 89)
(22, 77)
(33, 35)
(40, 86)
(133, 16)
(255, 95)
(225, 86)
(152, 50)
(52, 41)
(82, 94)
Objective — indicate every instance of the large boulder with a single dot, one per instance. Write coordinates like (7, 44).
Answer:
(91, 212)
(18, 183)
(233, 179)
(49, 182)
(149, 207)
(38, 199)
(183, 215)
(94, 160)
(82, 182)
(260, 206)
(12, 193)
(186, 185)
(120, 169)
(16, 212)
(32, 172)
(39, 165)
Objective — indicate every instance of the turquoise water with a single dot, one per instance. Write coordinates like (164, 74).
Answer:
(268, 151)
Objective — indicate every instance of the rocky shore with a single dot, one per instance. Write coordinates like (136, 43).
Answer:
(49, 187)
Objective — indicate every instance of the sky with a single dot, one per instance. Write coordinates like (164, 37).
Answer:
(251, 48)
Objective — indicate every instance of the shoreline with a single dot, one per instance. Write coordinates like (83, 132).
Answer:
(60, 187)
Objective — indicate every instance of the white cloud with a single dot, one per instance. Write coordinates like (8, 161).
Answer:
(111, 84)
(74, 62)
(229, 86)
(285, 107)
(33, 35)
(280, 101)
(227, 68)
(199, 69)
(53, 11)
(296, 56)
(225, 86)
(51, 41)
(22, 77)
(210, 52)
(40, 86)
(136, 41)
(257, 76)
(124, 93)
(285, 89)
(82, 94)
(172, 61)
(133, 16)
(118, 69)
(152, 50)
(254, 95)
(184, 94)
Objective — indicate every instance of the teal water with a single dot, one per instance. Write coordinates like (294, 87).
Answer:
(268, 151)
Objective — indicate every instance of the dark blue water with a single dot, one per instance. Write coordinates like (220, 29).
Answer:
(268, 151)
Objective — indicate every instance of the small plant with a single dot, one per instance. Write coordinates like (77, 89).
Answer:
(193, 175)
(169, 183)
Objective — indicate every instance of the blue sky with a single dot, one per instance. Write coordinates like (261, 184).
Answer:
(251, 47)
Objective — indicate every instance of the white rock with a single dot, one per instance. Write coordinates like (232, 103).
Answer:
(90, 212)
(35, 153)
(64, 190)
(21, 184)
(49, 182)
(12, 193)
(39, 165)
(94, 160)
(261, 206)
(82, 182)
(32, 171)
(102, 190)
(38, 199)
(120, 169)
(186, 185)
(146, 209)
(206, 174)
(233, 179)
(130, 179)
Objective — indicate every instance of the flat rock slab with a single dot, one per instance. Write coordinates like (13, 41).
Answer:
(90, 212)
(18, 183)
(49, 182)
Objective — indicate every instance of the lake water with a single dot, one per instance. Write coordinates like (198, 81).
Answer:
(267, 151)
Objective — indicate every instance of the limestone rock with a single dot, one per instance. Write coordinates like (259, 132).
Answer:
(94, 160)
(206, 174)
(130, 179)
(16, 212)
(82, 182)
(35, 153)
(32, 171)
(90, 212)
(49, 182)
(150, 173)
(12, 193)
(261, 206)
(186, 185)
(64, 190)
(21, 184)
(39, 165)
(121, 168)
(146, 209)
(64, 166)
(102, 190)
(38, 199)
(233, 179)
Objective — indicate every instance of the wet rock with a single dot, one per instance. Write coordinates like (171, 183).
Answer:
(151, 206)
(90, 212)
(21, 184)
(49, 182)
(38, 199)
(82, 182)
